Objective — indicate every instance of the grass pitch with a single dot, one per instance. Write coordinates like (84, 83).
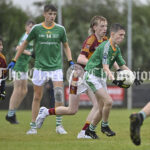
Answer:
(13, 137)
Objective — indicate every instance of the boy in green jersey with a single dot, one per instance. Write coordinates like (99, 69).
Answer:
(20, 75)
(97, 70)
(48, 37)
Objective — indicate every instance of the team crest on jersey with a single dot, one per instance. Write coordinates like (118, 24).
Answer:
(48, 32)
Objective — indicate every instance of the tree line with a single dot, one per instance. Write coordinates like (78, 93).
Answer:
(76, 19)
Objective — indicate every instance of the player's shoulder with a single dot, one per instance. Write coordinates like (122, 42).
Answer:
(90, 39)
(59, 26)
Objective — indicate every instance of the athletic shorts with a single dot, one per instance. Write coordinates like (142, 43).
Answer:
(82, 86)
(94, 82)
(17, 75)
(41, 77)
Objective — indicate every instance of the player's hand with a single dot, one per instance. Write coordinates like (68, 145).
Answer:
(2, 95)
(71, 63)
(120, 84)
(11, 65)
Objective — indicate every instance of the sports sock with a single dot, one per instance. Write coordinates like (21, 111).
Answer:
(143, 115)
(52, 111)
(58, 120)
(86, 125)
(92, 127)
(11, 112)
(104, 124)
(33, 125)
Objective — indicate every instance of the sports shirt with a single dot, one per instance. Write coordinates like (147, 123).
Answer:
(104, 54)
(23, 60)
(47, 47)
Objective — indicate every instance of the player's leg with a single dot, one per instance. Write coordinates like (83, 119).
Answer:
(19, 92)
(60, 110)
(89, 118)
(136, 120)
(102, 95)
(38, 80)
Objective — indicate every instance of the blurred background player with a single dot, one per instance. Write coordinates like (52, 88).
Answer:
(48, 37)
(20, 75)
(136, 121)
(97, 69)
(97, 34)
(3, 71)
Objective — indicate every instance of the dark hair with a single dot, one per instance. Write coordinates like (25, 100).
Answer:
(116, 27)
(1, 39)
(30, 22)
(49, 7)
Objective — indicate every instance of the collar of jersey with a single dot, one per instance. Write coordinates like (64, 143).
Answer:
(43, 24)
(114, 49)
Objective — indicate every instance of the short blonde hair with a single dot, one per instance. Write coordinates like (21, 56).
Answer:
(94, 21)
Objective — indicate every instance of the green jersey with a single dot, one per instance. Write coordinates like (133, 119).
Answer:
(104, 54)
(23, 60)
(48, 46)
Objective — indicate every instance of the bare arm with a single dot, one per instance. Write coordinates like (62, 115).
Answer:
(21, 49)
(108, 72)
(82, 59)
(67, 51)
(26, 52)
(124, 67)
(116, 66)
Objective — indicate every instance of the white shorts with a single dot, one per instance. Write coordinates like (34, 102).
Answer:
(82, 86)
(40, 77)
(94, 82)
(17, 75)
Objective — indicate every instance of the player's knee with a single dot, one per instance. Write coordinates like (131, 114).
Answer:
(58, 93)
(109, 103)
(72, 111)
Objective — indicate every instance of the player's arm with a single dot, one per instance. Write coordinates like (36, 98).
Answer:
(26, 52)
(116, 66)
(82, 59)
(22, 47)
(124, 67)
(68, 53)
(19, 52)
(108, 72)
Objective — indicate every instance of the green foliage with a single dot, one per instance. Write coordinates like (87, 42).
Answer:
(76, 19)
(12, 22)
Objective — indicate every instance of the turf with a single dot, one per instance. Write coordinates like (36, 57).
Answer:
(13, 137)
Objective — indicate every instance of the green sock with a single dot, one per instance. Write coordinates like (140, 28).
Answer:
(92, 127)
(33, 125)
(11, 112)
(58, 120)
(143, 114)
(104, 124)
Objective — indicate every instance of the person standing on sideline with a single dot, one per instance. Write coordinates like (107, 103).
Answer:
(3, 72)
(48, 37)
(20, 75)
